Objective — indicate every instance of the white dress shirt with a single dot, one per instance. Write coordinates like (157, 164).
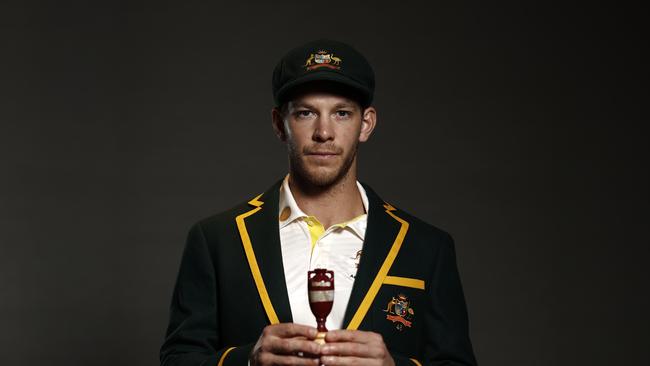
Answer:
(306, 245)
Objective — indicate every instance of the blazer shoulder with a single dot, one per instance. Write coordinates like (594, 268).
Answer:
(220, 228)
(225, 215)
(422, 229)
(224, 220)
(418, 228)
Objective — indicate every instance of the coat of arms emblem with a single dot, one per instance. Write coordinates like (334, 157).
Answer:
(400, 311)
(322, 58)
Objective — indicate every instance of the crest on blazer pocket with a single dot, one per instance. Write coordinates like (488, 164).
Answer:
(400, 312)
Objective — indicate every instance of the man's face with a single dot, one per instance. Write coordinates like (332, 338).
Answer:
(322, 131)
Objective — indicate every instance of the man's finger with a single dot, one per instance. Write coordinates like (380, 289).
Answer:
(353, 349)
(359, 336)
(348, 361)
(289, 330)
(271, 359)
(289, 346)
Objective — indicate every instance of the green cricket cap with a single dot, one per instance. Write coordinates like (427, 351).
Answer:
(324, 60)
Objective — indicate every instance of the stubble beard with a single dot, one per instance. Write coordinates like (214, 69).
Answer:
(317, 177)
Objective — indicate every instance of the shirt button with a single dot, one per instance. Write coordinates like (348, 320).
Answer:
(286, 212)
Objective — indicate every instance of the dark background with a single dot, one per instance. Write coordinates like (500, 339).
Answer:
(518, 128)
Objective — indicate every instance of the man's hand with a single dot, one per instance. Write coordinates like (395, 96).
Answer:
(355, 347)
(285, 344)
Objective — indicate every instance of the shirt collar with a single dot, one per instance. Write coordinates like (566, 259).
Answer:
(289, 208)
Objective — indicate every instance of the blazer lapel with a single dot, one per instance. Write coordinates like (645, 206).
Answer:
(264, 237)
(258, 229)
(382, 232)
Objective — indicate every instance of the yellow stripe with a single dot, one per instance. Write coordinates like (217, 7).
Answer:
(415, 361)
(252, 262)
(381, 275)
(346, 223)
(225, 353)
(316, 230)
(403, 281)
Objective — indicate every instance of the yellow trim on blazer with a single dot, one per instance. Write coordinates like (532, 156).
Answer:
(252, 261)
(404, 281)
(223, 357)
(415, 361)
(383, 270)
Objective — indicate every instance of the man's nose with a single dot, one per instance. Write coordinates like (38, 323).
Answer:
(323, 129)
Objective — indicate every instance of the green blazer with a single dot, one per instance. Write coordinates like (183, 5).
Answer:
(231, 285)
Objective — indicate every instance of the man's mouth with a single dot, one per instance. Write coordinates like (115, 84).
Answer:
(322, 153)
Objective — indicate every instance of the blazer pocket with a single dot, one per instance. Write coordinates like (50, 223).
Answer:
(404, 281)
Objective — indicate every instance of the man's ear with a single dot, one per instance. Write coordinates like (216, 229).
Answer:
(278, 124)
(368, 122)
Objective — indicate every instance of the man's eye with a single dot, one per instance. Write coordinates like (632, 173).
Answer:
(304, 113)
(343, 113)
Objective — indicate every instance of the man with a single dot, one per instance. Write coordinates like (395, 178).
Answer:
(241, 292)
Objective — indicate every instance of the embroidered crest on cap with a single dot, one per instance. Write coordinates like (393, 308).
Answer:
(400, 312)
(322, 58)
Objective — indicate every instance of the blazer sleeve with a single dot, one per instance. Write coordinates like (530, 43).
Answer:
(447, 330)
(192, 336)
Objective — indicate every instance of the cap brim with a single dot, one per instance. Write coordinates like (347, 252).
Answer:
(286, 89)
